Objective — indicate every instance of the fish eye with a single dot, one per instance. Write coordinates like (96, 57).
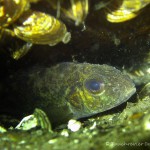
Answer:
(94, 86)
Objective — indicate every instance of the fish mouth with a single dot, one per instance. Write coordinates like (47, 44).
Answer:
(130, 94)
(125, 99)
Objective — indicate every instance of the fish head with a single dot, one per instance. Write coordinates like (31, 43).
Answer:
(99, 88)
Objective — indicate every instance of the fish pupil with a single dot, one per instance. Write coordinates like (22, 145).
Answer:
(93, 85)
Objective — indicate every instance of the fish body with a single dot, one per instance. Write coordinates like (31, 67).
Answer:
(67, 90)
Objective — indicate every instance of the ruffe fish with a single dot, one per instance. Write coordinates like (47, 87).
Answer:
(67, 90)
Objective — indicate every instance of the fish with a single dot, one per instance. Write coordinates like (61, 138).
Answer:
(68, 90)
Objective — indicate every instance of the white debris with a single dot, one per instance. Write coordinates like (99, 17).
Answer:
(74, 125)
(65, 133)
(93, 126)
(27, 123)
(2, 129)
